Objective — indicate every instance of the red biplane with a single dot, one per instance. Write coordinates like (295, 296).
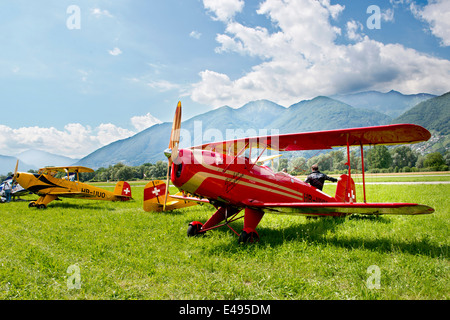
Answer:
(218, 173)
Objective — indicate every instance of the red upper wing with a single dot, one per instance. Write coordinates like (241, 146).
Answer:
(388, 134)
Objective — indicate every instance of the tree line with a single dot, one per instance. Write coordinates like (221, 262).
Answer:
(119, 172)
(378, 159)
(122, 172)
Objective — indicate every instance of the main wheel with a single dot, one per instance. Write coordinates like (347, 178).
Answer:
(194, 229)
(248, 237)
(41, 206)
(31, 204)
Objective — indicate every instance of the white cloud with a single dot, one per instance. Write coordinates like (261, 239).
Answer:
(302, 59)
(144, 122)
(195, 34)
(115, 52)
(396, 3)
(75, 140)
(224, 10)
(353, 29)
(334, 10)
(437, 14)
(163, 85)
(108, 132)
(97, 12)
(387, 15)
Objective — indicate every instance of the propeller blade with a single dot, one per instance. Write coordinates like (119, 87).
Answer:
(167, 187)
(174, 154)
(175, 134)
(15, 171)
(173, 146)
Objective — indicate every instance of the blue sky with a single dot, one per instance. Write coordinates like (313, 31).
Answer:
(75, 80)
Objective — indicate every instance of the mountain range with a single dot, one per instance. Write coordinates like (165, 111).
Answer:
(392, 103)
(434, 114)
(254, 118)
(8, 164)
(260, 117)
(33, 160)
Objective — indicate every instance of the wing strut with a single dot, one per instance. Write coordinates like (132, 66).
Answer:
(258, 157)
(237, 155)
(347, 189)
(363, 174)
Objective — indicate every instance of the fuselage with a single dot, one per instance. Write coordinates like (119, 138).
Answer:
(236, 181)
(45, 184)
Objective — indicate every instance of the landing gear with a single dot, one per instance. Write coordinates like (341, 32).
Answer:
(248, 236)
(37, 206)
(194, 229)
(229, 214)
(42, 202)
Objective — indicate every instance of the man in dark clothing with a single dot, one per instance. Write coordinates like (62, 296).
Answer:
(317, 178)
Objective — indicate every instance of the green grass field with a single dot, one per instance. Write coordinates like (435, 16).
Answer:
(81, 249)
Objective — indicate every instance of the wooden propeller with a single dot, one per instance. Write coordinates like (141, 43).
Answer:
(172, 153)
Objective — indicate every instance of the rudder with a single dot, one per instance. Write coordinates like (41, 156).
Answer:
(123, 190)
(154, 192)
(345, 190)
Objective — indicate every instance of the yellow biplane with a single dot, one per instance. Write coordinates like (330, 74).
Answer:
(49, 187)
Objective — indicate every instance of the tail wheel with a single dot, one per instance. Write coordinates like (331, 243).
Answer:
(248, 237)
(194, 229)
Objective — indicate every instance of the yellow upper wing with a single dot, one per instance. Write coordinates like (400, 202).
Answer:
(65, 169)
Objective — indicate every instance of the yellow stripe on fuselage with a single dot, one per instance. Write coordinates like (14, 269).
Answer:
(198, 178)
(258, 180)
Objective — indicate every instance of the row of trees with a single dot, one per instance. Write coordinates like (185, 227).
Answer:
(376, 159)
(117, 172)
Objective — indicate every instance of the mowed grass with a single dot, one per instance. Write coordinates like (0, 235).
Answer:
(123, 252)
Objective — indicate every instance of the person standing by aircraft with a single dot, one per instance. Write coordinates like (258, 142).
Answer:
(317, 178)
(7, 190)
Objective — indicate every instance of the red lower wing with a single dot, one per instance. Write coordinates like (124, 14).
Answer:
(342, 208)
(192, 199)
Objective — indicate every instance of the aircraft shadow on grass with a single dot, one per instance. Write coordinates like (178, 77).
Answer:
(313, 231)
(78, 206)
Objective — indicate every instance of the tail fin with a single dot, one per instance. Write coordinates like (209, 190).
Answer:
(345, 190)
(154, 195)
(123, 190)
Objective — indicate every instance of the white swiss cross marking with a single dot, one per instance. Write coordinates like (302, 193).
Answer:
(127, 191)
(156, 192)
